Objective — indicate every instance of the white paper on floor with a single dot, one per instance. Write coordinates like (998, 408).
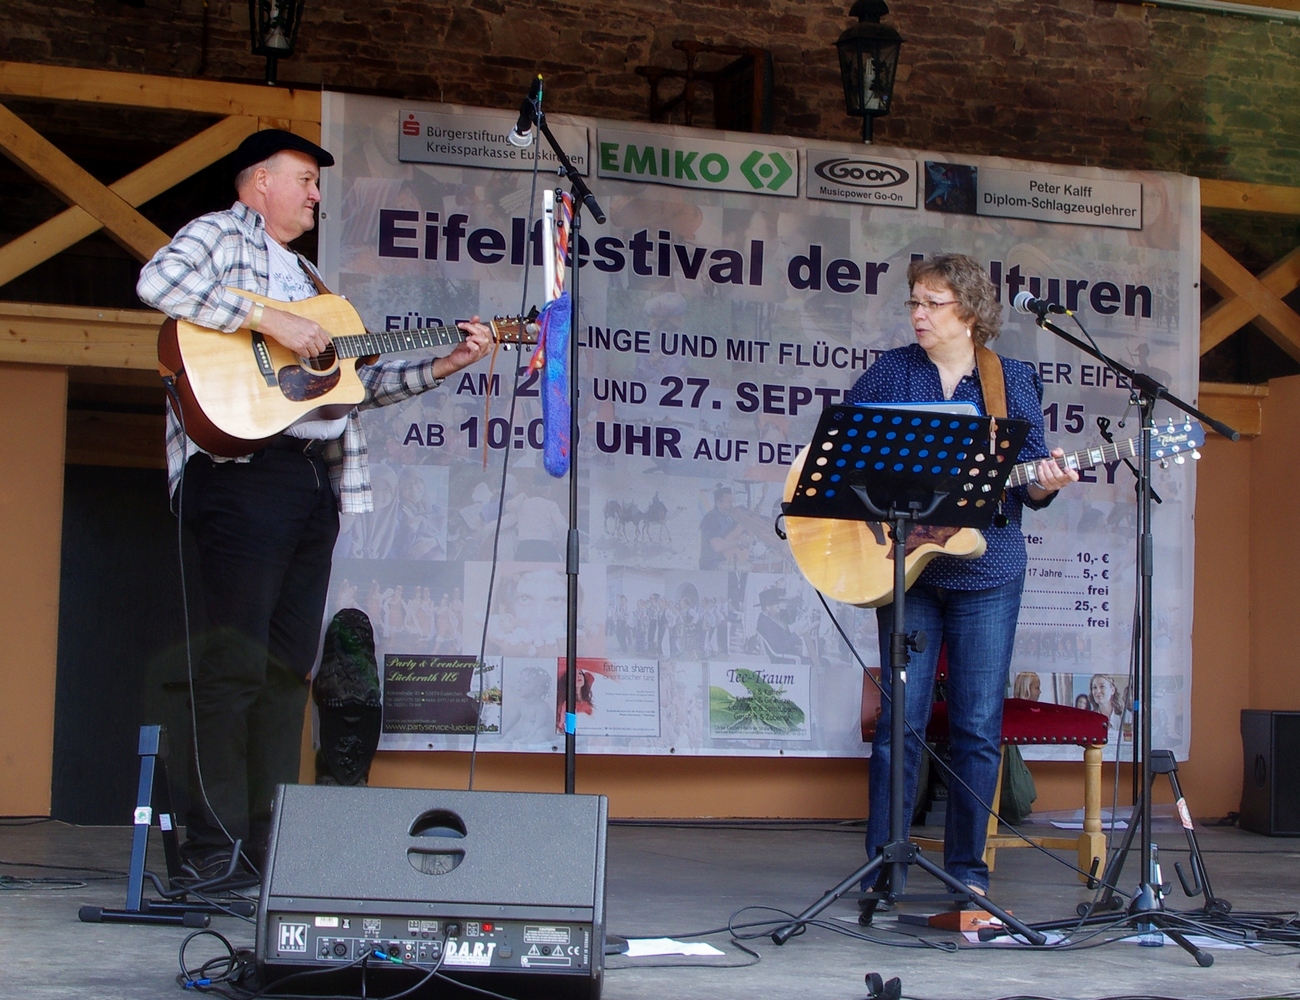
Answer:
(649, 947)
(1075, 822)
(1200, 941)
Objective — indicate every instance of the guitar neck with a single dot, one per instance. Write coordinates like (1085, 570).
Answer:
(393, 341)
(1088, 458)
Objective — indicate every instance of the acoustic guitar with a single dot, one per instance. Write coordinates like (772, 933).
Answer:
(239, 390)
(853, 561)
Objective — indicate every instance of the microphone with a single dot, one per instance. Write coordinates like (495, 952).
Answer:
(1026, 303)
(522, 134)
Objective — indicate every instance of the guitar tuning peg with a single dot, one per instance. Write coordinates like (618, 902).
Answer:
(1196, 455)
(1164, 463)
(1179, 459)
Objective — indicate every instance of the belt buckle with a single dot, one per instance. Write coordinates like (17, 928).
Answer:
(311, 446)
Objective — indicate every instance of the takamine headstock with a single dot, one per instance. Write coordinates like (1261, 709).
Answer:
(1176, 441)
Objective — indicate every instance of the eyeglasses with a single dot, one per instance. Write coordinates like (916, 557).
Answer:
(929, 305)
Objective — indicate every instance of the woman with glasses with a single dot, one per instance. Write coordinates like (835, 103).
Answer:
(968, 605)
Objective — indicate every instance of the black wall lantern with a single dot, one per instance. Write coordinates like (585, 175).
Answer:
(868, 61)
(274, 27)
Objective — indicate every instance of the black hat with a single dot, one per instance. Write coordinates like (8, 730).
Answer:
(264, 144)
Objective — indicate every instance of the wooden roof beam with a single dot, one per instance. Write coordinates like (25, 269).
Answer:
(77, 336)
(40, 244)
(64, 83)
(1239, 196)
(1227, 277)
(49, 165)
(1224, 319)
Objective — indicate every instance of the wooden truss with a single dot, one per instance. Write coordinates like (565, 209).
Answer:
(124, 339)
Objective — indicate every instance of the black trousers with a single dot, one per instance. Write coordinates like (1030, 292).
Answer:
(265, 531)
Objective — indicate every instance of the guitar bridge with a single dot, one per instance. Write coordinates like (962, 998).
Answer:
(262, 355)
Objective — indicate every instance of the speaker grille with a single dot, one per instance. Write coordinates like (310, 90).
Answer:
(1286, 772)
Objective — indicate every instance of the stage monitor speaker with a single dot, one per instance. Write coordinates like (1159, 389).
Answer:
(504, 891)
(1270, 788)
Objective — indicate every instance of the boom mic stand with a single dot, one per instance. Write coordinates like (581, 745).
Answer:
(853, 467)
(1146, 908)
(581, 196)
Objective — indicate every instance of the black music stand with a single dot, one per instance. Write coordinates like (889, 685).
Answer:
(906, 467)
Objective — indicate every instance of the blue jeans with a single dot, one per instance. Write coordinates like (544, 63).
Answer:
(979, 628)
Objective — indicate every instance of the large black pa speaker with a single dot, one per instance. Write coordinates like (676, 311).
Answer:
(501, 890)
(1270, 787)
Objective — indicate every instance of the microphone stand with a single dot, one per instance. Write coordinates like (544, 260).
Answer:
(581, 196)
(1146, 905)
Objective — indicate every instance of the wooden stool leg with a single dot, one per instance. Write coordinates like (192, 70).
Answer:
(1092, 842)
(991, 853)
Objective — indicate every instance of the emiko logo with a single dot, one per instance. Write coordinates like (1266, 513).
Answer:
(771, 171)
(861, 173)
(410, 126)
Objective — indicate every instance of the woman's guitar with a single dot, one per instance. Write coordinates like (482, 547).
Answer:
(853, 561)
(239, 390)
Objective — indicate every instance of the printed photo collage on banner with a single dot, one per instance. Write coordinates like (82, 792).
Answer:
(741, 284)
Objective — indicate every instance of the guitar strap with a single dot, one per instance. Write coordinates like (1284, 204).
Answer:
(310, 271)
(992, 384)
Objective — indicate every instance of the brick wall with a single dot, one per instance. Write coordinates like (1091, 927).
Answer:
(1078, 81)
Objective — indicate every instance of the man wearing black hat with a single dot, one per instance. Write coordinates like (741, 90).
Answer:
(265, 524)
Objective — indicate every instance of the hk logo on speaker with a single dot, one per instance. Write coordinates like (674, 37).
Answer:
(293, 938)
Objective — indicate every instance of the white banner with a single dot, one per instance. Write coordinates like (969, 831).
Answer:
(720, 312)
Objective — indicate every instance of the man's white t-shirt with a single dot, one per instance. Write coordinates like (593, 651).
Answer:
(290, 283)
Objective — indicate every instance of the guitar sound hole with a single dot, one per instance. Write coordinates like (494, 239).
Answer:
(323, 362)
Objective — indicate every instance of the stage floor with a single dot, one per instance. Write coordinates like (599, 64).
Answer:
(670, 880)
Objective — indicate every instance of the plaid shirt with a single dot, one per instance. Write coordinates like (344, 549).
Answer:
(188, 279)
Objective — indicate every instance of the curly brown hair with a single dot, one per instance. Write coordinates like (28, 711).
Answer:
(977, 302)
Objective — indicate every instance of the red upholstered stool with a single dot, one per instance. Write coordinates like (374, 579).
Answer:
(1027, 722)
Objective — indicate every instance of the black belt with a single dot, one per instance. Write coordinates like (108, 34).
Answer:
(287, 442)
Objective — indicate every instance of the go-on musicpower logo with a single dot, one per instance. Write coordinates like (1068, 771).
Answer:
(861, 173)
(833, 176)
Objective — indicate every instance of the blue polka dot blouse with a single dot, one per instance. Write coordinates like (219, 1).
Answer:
(907, 375)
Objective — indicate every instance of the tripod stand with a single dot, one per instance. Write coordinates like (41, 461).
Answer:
(1163, 762)
(860, 448)
(1146, 909)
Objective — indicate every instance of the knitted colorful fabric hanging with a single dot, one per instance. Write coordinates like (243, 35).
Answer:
(555, 324)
